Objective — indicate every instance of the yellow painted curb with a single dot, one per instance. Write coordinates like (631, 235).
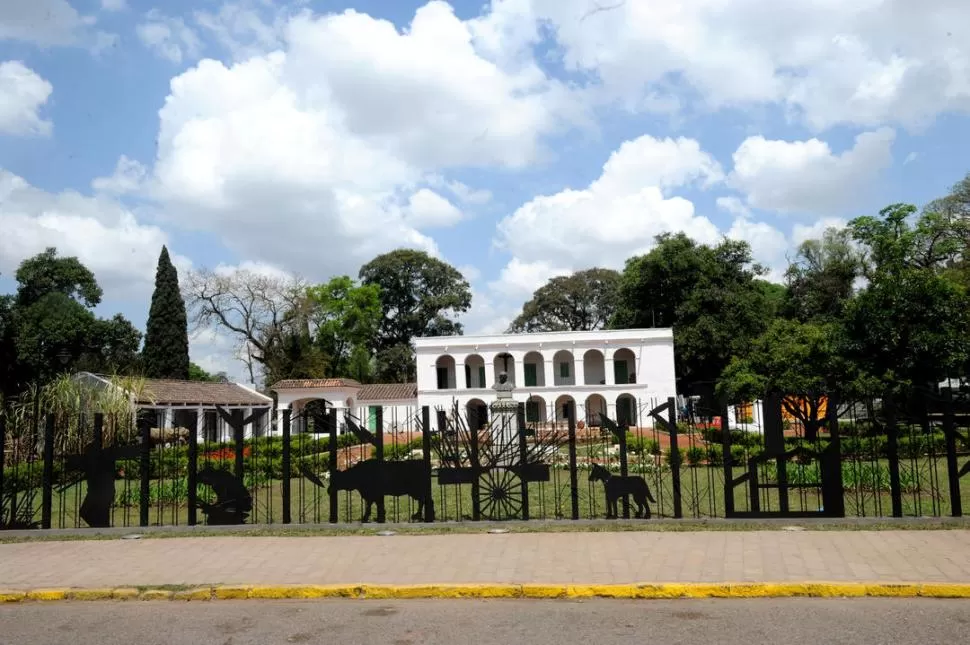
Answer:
(47, 594)
(9, 595)
(654, 591)
(304, 591)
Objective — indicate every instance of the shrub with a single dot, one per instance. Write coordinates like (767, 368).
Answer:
(641, 445)
(695, 455)
(674, 458)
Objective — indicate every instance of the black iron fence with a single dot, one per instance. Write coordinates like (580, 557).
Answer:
(637, 459)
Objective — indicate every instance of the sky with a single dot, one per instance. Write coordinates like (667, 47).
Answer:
(515, 139)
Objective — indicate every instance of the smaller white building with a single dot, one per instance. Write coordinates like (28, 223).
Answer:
(397, 403)
(623, 373)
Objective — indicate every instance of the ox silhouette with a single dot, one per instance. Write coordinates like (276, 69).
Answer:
(374, 479)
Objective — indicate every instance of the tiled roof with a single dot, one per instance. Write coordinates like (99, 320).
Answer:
(388, 392)
(307, 383)
(159, 391)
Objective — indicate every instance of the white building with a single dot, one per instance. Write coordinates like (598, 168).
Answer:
(623, 373)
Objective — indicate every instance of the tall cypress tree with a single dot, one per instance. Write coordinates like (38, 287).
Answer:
(166, 351)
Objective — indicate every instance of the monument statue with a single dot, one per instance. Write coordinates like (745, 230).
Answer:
(503, 389)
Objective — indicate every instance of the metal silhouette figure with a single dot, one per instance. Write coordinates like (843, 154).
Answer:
(617, 487)
(233, 502)
(374, 479)
(99, 473)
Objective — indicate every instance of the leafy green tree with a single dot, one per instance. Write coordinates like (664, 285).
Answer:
(583, 301)
(345, 319)
(197, 373)
(46, 273)
(910, 327)
(420, 296)
(709, 295)
(166, 351)
(8, 346)
(820, 280)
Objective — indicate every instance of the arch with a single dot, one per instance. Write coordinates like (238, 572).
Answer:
(595, 406)
(445, 372)
(564, 368)
(626, 410)
(476, 414)
(594, 367)
(504, 362)
(534, 370)
(307, 415)
(624, 366)
(535, 409)
(561, 403)
(475, 372)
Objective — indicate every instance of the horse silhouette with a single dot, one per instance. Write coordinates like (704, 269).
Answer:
(233, 502)
(374, 479)
(617, 486)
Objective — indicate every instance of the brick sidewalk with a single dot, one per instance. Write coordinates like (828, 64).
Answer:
(554, 558)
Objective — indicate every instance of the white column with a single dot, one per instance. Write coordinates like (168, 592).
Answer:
(489, 359)
(518, 368)
(460, 373)
(549, 367)
(610, 375)
(579, 371)
(199, 425)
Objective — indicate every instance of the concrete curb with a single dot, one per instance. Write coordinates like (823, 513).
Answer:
(387, 592)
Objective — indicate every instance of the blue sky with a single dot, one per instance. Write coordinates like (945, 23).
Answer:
(516, 139)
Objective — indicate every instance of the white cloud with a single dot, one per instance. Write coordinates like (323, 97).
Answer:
(867, 63)
(105, 236)
(113, 5)
(126, 178)
(815, 230)
(22, 93)
(769, 245)
(620, 213)
(241, 29)
(44, 22)
(310, 155)
(519, 280)
(170, 38)
(806, 176)
(733, 205)
(426, 209)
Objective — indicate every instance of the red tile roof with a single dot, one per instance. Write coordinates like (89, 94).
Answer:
(308, 383)
(388, 392)
(162, 391)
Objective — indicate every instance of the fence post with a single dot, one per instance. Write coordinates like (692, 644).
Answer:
(379, 453)
(675, 470)
(332, 462)
(523, 458)
(239, 439)
(47, 502)
(624, 465)
(835, 505)
(952, 467)
(728, 469)
(286, 466)
(473, 424)
(193, 456)
(3, 452)
(426, 449)
(144, 465)
(892, 448)
(573, 473)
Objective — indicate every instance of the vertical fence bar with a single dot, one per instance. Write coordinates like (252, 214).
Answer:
(952, 467)
(675, 470)
(286, 466)
(331, 417)
(144, 466)
(728, 469)
(835, 488)
(523, 458)
(624, 465)
(193, 468)
(473, 424)
(3, 464)
(379, 454)
(892, 447)
(238, 440)
(426, 452)
(573, 472)
(47, 485)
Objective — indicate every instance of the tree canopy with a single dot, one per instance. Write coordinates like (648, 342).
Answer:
(166, 351)
(583, 301)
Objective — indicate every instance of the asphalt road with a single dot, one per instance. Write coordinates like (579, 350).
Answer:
(477, 622)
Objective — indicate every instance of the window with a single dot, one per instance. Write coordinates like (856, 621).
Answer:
(468, 376)
(620, 374)
(530, 375)
(564, 370)
(532, 411)
(481, 376)
(442, 378)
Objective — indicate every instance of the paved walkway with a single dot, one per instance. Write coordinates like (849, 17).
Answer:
(554, 558)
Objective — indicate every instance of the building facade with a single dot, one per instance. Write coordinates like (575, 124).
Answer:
(621, 373)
